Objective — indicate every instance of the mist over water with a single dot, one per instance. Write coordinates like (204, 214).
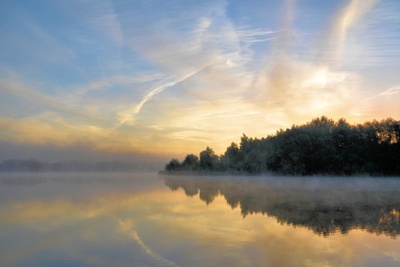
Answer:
(324, 205)
(142, 219)
(95, 99)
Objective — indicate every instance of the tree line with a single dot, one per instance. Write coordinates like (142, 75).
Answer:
(322, 146)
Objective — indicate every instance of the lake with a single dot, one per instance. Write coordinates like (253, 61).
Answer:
(132, 219)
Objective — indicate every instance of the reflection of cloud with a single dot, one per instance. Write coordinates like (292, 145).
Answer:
(150, 252)
(394, 255)
(169, 225)
(8, 257)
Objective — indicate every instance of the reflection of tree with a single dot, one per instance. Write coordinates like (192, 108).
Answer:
(208, 191)
(188, 186)
(325, 206)
(208, 188)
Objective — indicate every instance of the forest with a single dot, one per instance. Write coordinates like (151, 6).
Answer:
(320, 147)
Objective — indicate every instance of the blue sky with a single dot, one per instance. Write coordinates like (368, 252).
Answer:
(123, 78)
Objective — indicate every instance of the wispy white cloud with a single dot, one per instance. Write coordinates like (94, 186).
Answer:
(391, 91)
(189, 73)
(299, 89)
(118, 80)
(33, 96)
(343, 23)
(129, 115)
(35, 42)
(99, 17)
(106, 19)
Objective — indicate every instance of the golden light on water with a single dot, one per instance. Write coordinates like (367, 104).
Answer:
(158, 222)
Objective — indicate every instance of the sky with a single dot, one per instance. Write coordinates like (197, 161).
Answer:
(86, 79)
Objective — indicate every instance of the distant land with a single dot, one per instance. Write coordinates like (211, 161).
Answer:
(33, 165)
(320, 147)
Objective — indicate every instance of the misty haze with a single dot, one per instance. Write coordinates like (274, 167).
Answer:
(199, 133)
(142, 219)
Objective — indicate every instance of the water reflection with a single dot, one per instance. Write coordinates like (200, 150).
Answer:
(135, 220)
(324, 205)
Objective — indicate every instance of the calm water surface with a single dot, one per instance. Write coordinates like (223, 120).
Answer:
(147, 220)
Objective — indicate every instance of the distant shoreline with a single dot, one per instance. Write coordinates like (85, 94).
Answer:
(32, 165)
(272, 175)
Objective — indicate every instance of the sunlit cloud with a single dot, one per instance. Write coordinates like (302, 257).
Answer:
(195, 74)
(346, 19)
(129, 115)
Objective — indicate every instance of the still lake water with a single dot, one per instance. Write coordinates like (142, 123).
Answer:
(149, 220)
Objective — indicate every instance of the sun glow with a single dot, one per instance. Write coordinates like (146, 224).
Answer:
(186, 82)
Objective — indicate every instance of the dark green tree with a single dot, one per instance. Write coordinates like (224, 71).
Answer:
(190, 162)
(173, 165)
(231, 159)
(321, 146)
(209, 160)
